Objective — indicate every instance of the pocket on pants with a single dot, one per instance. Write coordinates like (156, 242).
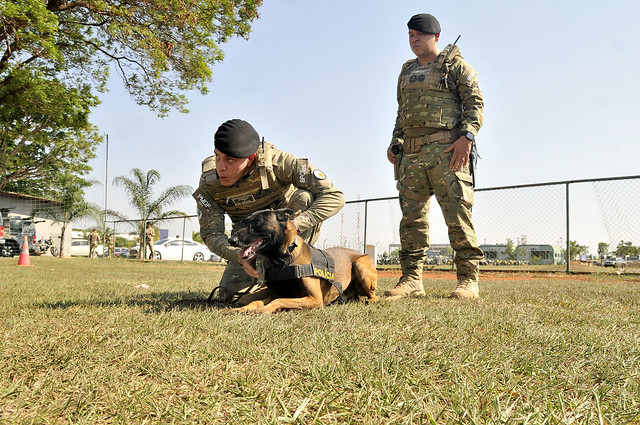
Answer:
(466, 187)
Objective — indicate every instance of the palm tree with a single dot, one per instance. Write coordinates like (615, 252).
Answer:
(71, 205)
(140, 193)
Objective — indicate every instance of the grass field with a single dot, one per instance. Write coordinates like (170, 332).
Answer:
(82, 344)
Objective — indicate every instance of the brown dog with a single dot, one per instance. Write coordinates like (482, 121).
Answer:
(288, 263)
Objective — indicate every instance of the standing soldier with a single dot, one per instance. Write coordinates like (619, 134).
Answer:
(439, 114)
(146, 240)
(246, 175)
(94, 237)
(111, 243)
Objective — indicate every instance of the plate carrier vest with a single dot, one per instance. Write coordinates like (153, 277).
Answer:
(258, 190)
(427, 100)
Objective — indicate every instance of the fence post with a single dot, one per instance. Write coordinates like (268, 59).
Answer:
(366, 210)
(568, 251)
(184, 224)
(143, 248)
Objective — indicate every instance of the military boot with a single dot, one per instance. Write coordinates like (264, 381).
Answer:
(406, 286)
(467, 288)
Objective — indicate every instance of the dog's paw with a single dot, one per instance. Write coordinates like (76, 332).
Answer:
(235, 310)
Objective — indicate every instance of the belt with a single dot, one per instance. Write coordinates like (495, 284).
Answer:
(413, 144)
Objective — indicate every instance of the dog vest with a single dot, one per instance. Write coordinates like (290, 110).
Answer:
(322, 266)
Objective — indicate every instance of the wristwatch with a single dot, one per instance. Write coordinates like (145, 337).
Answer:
(469, 135)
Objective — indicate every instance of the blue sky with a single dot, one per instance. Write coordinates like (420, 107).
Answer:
(318, 79)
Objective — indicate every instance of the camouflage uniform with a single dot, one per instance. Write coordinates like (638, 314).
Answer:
(93, 243)
(111, 243)
(277, 179)
(148, 234)
(437, 102)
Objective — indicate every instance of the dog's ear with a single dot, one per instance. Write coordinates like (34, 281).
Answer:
(284, 214)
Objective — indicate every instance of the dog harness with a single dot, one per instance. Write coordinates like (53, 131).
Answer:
(322, 266)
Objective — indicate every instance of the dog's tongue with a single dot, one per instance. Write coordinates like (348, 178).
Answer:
(250, 251)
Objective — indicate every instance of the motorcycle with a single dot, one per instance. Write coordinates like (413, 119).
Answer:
(44, 245)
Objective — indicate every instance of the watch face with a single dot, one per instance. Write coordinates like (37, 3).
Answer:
(469, 135)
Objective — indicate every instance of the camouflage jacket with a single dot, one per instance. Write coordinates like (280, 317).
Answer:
(286, 173)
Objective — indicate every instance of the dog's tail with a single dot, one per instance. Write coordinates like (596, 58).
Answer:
(366, 277)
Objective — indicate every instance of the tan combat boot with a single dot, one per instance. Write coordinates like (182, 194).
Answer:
(405, 287)
(467, 288)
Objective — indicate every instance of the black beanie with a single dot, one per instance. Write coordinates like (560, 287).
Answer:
(424, 22)
(236, 138)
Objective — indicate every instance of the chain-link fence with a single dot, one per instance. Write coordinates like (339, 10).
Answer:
(525, 224)
(537, 222)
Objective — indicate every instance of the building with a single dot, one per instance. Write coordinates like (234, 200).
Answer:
(540, 254)
(23, 206)
(530, 253)
(494, 253)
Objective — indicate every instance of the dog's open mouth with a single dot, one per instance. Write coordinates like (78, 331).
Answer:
(248, 252)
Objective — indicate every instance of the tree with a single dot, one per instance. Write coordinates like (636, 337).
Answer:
(626, 248)
(139, 190)
(575, 250)
(72, 205)
(603, 249)
(44, 130)
(513, 251)
(55, 60)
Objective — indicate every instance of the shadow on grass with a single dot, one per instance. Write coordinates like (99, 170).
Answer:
(150, 302)
(163, 302)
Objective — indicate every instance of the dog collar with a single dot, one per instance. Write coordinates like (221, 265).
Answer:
(293, 246)
(285, 258)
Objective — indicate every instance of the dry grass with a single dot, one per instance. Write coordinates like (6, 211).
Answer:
(81, 344)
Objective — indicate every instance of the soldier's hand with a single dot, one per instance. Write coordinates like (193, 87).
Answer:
(249, 266)
(461, 149)
(390, 156)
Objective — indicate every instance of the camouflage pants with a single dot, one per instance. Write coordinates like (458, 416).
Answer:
(234, 279)
(422, 175)
(143, 250)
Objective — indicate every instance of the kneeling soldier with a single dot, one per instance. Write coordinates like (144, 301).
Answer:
(247, 175)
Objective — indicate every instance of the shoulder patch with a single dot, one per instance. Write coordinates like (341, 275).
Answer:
(319, 174)
(203, 199)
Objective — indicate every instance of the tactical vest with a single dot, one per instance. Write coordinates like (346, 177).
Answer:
(258, 190)
(322, 266)
(426, 99)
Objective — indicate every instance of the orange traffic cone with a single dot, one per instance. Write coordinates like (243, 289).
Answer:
(24, 259)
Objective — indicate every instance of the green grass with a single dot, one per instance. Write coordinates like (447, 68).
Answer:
(80, 344)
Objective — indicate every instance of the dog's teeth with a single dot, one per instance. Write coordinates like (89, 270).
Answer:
(251, 250)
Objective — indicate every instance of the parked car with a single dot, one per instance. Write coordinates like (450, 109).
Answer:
(80, 248)
(177, 249)
(133, 252)
(615, 262)
(216, 258)
(120, 251)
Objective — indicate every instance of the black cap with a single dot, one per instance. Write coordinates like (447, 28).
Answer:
(424, 22)
(236, 138)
